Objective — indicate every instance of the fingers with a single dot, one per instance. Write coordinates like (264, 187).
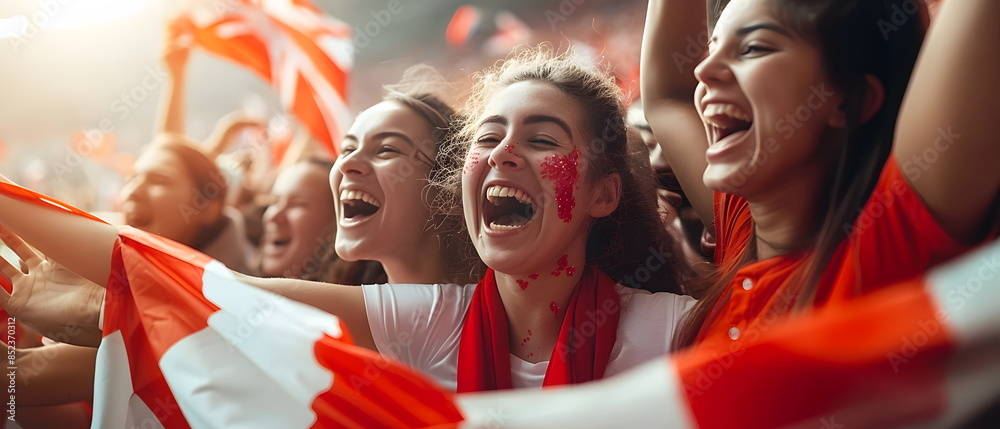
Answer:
(9, 273)
(19, 247)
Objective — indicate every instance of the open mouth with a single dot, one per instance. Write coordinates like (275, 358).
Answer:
(507, 208)
(727, 120)
(358, 204)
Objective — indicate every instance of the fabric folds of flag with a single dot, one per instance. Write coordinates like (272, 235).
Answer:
(188, 345)
(304, 53)
(924, 352)
(199, 347)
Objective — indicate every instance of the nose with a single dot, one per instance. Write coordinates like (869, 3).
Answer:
(353, 164)
(505, 156)
(132, 188)
(713, 69)
(274, 212)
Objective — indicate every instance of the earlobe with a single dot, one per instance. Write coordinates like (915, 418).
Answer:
(874, 97)
(838, 120)
(607, 194)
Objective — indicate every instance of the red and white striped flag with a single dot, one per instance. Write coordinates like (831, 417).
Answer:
(304, 53)
(187, 345)
(924, 352)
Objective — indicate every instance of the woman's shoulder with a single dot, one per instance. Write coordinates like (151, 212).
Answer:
(649, 305)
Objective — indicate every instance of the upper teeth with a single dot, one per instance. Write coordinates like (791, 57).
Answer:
(717, 114)
(359, 195)
(494, 192)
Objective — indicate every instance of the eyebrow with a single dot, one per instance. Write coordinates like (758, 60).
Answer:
(765, 26)
(533, 119)
(382, 136)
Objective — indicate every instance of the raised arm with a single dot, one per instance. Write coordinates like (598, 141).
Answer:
(946, 142)
(673, 43)
(228, 128)
(176, 51)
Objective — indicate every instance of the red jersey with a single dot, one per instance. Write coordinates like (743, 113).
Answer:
(893, 238)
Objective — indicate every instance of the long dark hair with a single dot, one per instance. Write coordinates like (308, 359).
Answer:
(423, 90)
(621, 243)
(858, 38)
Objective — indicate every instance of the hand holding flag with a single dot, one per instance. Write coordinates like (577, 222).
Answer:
(50, 299)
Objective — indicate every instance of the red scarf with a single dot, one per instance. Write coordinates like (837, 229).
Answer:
(581, 353)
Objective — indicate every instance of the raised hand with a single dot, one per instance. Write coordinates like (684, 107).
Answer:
(49, 298)
(177, 44)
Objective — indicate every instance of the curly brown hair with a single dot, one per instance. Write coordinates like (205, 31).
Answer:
(618, 244)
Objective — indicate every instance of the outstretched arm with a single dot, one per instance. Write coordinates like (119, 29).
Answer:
(946, 141)
(674, 42)
(56, 374)
(82, 245)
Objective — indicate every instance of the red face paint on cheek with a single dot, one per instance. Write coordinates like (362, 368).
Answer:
(555, 309)
(523, 284)
(533, 276)
(562, 171)
(471, 161)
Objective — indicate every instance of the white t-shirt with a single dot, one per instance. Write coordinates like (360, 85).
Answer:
(421, 325)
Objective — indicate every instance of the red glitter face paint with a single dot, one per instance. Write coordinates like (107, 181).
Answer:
(523, 284)
(509, 148)
(533, 276)
(471, 161)
(562, 171)
(554, 308)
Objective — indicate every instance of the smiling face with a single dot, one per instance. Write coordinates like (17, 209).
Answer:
(300, 218)
(526, 187)
(379, 184)
(764, 100)
(160, 197)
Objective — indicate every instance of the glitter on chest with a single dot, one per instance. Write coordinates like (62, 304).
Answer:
(563, 172)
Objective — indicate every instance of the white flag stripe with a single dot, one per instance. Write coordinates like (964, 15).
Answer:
(968, 290)
(254, 366)
(115, 403)
(649, 395)
(217, 387)
(273, 331)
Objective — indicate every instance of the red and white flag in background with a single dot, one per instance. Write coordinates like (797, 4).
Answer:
(304, 53)
(187, 345)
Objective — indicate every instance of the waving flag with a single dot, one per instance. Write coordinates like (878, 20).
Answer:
(187, 345)
(925, 351)
(305, 54)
